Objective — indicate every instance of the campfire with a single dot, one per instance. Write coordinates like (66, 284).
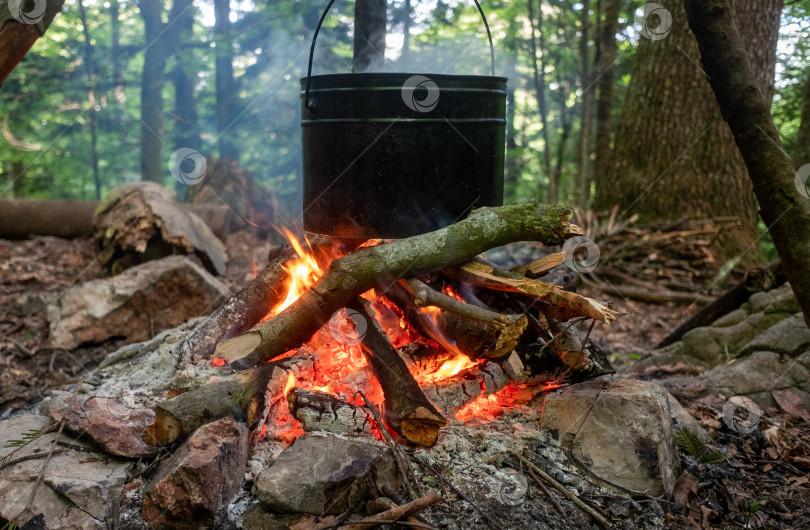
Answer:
(422, 328)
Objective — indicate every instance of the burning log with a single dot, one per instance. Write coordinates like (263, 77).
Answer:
(474, 331)
(319, 411)
(356, 273)
(407, 410)
(241, 396)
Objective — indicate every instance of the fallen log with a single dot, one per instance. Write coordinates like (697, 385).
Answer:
(356, 273)
(319, 411)
(474, 331)
(406, 409)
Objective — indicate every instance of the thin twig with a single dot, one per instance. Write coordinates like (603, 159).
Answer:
(568, 495)
(41, 475)
(543, 487)
(458, 492)
(35, 456)
(378, 522)
(390, 443)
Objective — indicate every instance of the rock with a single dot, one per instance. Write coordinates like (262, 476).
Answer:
(755, 377)
(79, 490)
(142, 221)
(145, 299)
(790, 336)
(620, 430)
(681, 419)
(113, 424)
(323, 475)
(199, 478)
(16, 427)
(256, 518)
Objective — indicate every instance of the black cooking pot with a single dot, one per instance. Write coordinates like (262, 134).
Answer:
(394, 155)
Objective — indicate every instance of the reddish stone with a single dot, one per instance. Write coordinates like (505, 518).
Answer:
(111, 423)
(200, 477)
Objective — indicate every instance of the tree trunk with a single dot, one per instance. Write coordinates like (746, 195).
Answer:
(606, 52)
(90, 68)
(785, 209)
(801, 155)
(582, 182)
(540, 93)
(161, 42)
(369, 35)
(673, 153)
(186, 132)
(225, 85)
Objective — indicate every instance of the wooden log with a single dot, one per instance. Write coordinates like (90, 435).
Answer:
(406, 410)
(244, 309)
(356, 273)
(756, 280)
(319, 411)
(483, 275)
(472, 330)
(540, 267)
(22, 218)
(240, 395)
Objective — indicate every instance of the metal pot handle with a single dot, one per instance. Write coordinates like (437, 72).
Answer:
(312, 106)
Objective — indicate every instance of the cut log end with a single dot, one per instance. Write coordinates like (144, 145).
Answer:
(422, 427)
(238, 347)
(165, 430)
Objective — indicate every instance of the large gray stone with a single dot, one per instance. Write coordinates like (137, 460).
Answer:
(620, 430)
(79, 490)
(323, 475)
(145, 299)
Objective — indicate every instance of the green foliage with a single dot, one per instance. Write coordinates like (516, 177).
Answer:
(688, 442)
(47, 102)
(26, 437)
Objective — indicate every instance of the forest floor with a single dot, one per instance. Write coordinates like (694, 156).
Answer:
(753, 488)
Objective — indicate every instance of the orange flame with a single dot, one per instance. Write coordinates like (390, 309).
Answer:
(218, 362)
(303, 272)
(290, 383)
(450, 368)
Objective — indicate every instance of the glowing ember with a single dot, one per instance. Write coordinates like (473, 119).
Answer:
(485, 408)
(218, 362)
